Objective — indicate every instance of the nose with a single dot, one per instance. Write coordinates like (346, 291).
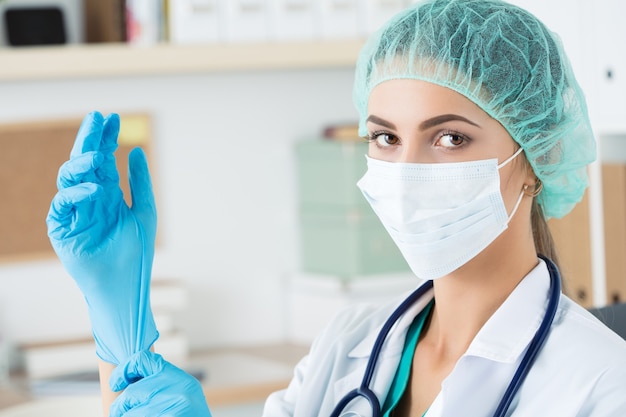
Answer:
(413, 151)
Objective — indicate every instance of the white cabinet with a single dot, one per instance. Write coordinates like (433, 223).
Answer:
(608, 66)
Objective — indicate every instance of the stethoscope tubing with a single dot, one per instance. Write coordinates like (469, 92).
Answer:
(363, 390)
(518, 378)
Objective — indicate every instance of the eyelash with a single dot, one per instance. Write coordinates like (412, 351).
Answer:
(464, 138)
(373, 137)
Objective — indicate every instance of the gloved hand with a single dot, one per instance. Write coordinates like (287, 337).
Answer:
(154, 387)
(106, 246)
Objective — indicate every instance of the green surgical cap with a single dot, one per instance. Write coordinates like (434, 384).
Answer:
(508, 63)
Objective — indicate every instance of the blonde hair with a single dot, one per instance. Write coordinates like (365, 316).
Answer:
(544, 243)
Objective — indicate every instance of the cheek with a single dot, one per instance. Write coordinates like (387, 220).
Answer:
(372, 149)
(381, 154)
(512, 180)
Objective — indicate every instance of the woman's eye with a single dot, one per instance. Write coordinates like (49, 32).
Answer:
(384, 139)
(451, 140)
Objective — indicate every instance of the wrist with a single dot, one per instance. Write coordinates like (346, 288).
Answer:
(122, 333)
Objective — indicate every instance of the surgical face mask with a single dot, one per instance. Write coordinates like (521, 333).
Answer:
(439, 215)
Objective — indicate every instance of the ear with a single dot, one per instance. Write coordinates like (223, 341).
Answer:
(532, 183)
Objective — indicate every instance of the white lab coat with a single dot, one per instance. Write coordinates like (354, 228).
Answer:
(581, 370)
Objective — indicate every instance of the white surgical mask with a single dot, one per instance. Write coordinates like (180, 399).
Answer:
(439, 215)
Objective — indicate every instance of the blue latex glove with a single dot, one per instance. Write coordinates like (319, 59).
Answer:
(154, 387)
(106, 246)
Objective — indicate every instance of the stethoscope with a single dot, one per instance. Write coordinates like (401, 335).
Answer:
(520, 374)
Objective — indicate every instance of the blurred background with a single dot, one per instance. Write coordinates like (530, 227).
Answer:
(244, 108)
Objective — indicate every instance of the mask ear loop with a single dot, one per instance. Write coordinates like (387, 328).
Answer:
(510, 158)
(521, 195)
(519, 200)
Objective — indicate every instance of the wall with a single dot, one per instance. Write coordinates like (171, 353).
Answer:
(223, 167)
(224, 172)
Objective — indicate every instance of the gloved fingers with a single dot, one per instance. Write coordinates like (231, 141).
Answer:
(108, 146)
(75, 170)
(141, 188)
(166, 395)
(66, 199)
(140, 365)
(89, 135)
(99, 134)
(131, 402)
(154, 387)
(60, 219)
(110, 132)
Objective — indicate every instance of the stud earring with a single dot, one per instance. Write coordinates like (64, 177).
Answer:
(538, 187)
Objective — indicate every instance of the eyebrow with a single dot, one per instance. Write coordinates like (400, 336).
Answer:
(426, 124)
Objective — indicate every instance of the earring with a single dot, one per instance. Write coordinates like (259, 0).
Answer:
(538, 187)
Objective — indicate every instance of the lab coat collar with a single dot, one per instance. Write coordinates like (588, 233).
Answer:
(394, 343)
(510, 329)
(503, 338)
(489, 363)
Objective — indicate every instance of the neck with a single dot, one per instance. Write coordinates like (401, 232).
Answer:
(466, 299)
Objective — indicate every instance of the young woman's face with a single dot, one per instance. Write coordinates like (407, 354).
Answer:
(420, 122)
(417, 121)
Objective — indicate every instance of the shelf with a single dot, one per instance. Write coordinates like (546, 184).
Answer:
(112, 60)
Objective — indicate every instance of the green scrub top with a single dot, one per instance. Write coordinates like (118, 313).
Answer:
(401, 379)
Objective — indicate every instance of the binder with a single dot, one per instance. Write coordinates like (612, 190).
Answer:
(374, 13)
(293, 20)
(143, 19)
(247, 20)
(614, 207)
(339, 19)
(105, 21)
(196, 21)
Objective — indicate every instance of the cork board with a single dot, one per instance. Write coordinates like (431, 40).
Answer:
(30, 156)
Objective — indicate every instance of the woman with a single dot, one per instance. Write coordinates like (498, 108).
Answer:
(478, 132)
